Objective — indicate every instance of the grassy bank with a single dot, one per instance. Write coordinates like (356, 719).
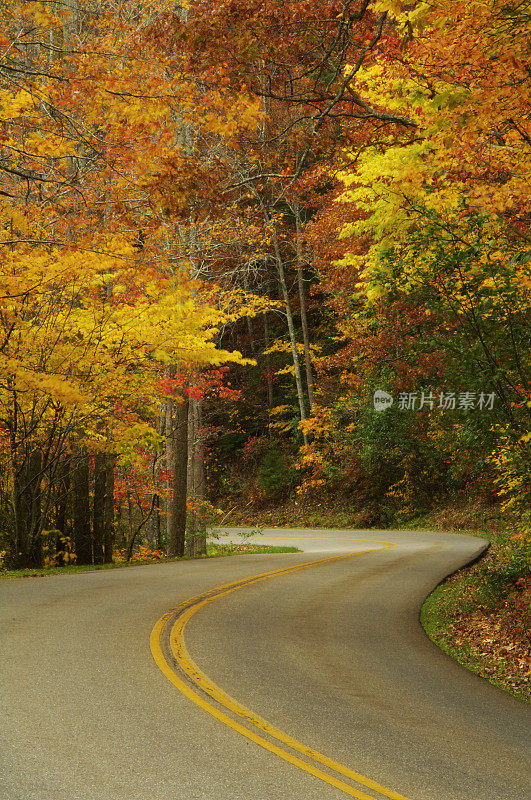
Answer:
(465, 516)
(214, 550)
(481, 616)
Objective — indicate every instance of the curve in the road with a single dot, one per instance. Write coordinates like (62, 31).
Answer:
(168, 634)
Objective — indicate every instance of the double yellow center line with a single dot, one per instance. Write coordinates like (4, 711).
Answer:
(199, 688)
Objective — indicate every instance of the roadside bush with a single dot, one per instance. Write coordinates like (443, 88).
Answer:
(502, 575)
(275, 475)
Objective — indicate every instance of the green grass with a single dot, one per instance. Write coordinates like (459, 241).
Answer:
(480, 616)
(439, 627)
(240, 549)
(214, 550)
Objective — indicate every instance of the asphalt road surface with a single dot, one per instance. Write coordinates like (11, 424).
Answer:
(315, 683)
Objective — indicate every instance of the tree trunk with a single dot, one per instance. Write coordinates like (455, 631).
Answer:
(269, 376)
(191, 517)
(291, 331)
(170, 457)
(179, 444)
(129, 535)
(27, 507)
(155, 537)
(108, 532)
(302, 300)
(98, 506)
(80, 481)
(61, 506)
(156, 531)
(196, 539)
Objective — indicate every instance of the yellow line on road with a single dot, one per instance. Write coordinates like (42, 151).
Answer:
(185, 611)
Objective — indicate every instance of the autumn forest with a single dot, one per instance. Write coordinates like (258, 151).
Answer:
(255, 254)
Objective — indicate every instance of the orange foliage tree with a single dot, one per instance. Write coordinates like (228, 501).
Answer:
(431, 266)
(97, 295)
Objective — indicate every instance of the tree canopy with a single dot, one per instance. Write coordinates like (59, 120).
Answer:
(225, 226)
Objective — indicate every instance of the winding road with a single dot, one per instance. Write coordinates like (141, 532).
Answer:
(301, 676)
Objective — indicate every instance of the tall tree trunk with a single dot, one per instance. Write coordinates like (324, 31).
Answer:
(191, 517)
(167, 426)
(119, 539)
(61, 506)
(179, 442)
(291, 331)
(249, 322)
(129, 536)
(269, 376)
(81, 513)
(98, 506)
(63, 491)
(302, 300)
(27, 507)
(196, 540)
(108, 532)
(156, 530)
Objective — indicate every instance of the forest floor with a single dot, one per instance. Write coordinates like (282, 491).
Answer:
(481, 615)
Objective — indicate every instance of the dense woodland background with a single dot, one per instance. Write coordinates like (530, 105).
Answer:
(223, 228)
